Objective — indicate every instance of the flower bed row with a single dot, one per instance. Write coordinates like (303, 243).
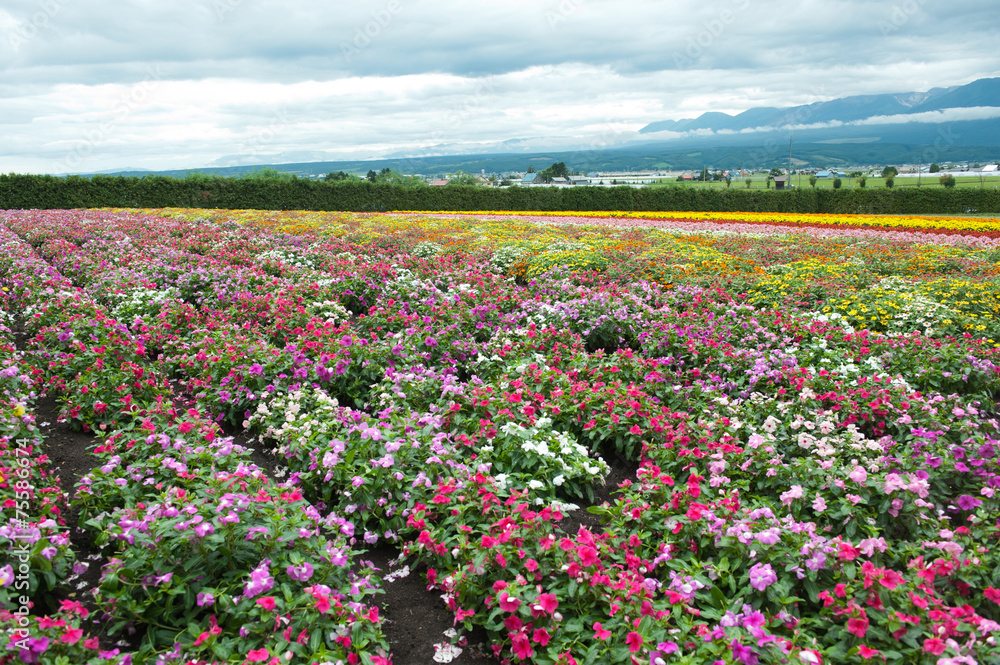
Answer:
(808, 488)
(208, 557)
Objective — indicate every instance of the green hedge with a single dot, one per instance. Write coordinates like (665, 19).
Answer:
(34, 191)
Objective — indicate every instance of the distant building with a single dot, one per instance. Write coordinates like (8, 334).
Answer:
(439, 183)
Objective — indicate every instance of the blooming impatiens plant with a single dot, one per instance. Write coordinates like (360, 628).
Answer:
(802, 415)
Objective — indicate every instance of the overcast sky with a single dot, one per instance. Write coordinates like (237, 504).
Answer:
(88, 85)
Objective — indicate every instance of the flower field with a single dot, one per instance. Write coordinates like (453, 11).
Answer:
(811, 409)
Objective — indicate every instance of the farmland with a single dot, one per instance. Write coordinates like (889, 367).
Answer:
(806, 407)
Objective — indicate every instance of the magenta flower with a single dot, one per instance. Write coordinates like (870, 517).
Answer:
(300, 573)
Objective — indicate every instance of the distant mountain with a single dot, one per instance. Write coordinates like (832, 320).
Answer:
(857, 110)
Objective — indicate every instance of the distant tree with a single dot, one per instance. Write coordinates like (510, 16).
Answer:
(855, 174)
(890, 172)
(462, 178)
(947, 180)
(557, 170)
(837, 182)
(749, 181)
(339, 175)
(531, 168)
(729, 181)
(269, 174)
(767, 183)
(680, 178)
(861, 181)
(704, 175)
(371, 176)
(889, 182)
(505, 183)
(812, 181)
(775, 171)
(934, 168)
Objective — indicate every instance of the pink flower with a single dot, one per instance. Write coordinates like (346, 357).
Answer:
(258, 655)
(599, 631)
(588, 556)
(858, 475)
(890, 579)
(541, 636)
(267, 602)
(762, 576)
(819, 504)
(547, 602)
(71, 636)
(521, 646)
(635, 429)
(934, 646)
(794, 493)
(508, 603)
(634, 641)
(992, 594)
(867, 652)
(858, 625)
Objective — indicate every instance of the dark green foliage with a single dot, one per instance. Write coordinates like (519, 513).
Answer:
(35, 191)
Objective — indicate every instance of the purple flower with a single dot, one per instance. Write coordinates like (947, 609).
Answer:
(966, 502)
(204, 529)
(762, 576)
(205, 598)
(6, 575)
(260, 580)
(300, 573)
(36, 646)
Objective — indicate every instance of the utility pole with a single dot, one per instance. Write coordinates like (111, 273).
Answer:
(789, 160)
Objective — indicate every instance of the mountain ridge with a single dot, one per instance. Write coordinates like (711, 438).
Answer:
(852, 109)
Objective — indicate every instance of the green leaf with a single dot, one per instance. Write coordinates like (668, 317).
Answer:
(718, 598)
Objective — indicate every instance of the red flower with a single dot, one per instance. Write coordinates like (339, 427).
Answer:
(934, 646)
(634, 641)
(267, 602)
(599, 631)
(258, 655)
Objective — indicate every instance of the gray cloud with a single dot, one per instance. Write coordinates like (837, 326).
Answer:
(139, 83)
